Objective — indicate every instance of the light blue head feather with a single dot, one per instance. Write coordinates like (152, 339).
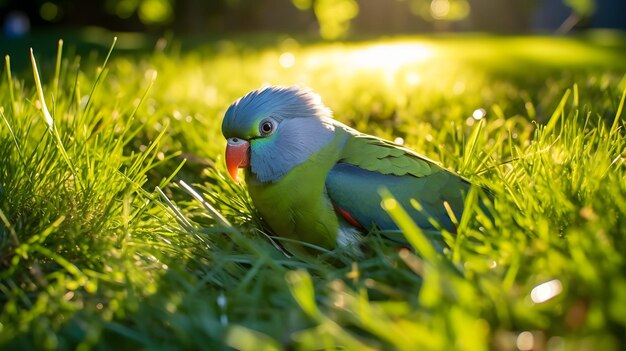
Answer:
(304, 125)
(277, 102)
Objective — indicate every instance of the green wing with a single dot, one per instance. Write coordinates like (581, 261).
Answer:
(368, 164)
(382, 156)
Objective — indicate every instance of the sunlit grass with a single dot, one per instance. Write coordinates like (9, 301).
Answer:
(93, 255)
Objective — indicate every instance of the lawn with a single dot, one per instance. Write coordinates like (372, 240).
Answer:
(101, 247)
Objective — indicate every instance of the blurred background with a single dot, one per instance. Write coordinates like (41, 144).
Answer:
(523, 95)
(330, 19)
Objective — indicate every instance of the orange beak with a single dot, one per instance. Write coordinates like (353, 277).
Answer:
(237, 156)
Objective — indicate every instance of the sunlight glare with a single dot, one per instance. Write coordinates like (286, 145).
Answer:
(390, 56)
(413, 78)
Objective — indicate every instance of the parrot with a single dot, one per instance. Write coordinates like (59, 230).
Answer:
(317, 180)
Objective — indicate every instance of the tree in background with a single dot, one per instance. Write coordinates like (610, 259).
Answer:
(581, 10)
(332, 19)
(150, 12)
(333, 16)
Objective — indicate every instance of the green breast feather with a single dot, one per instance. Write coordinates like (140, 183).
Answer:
(296, 206)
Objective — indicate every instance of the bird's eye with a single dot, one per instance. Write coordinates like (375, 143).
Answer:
(266, 127)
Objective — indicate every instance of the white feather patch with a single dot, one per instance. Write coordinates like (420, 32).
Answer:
(348, 236)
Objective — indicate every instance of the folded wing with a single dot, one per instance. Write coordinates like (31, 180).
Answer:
(369, 164)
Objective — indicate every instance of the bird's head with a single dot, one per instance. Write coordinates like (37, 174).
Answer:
(273, 129)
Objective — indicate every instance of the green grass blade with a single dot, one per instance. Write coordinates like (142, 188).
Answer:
(99, 76)
(44, 108)
(411, 231)
(219, 218)
(178, 214)
(618, 114)
(556, 115)
(242, 338)
(472, 145)
(50, 121)
(7, 65)
(57, 69)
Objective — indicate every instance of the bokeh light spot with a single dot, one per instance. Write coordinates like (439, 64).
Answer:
(155, 11)
(287, 59)
(16, 24)
(525, 341)
(439, 9)
(49, 11)
(479, 114)
(546, 291)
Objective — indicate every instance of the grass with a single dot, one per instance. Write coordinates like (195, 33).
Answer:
(92, 256)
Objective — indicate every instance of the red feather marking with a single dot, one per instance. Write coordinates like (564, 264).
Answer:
(348, 217)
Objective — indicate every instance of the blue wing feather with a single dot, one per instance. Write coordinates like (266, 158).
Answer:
(355, 190)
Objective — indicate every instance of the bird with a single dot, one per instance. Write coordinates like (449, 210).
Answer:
(316, 180)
